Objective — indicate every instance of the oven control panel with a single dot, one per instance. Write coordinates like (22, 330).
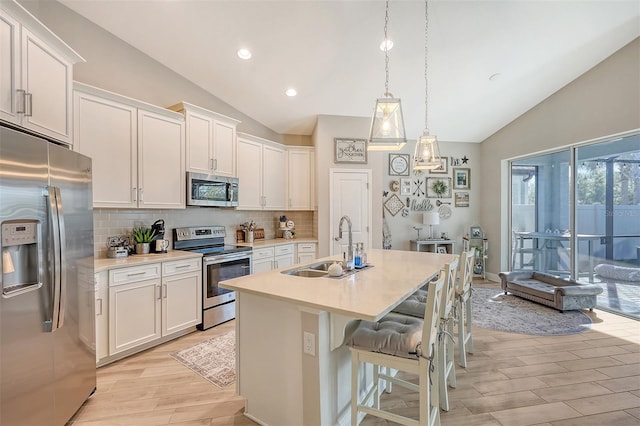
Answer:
(196, 233)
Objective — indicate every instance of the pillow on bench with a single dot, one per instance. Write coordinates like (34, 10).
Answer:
(614, 272)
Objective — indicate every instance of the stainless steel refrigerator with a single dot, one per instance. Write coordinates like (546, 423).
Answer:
(47, 333)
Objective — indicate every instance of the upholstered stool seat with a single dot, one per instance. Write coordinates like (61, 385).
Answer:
(413, 305)
(394, 334)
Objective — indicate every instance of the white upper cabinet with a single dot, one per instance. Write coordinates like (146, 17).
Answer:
(137, 150)
(36, 74)
(161, 171)
(262, 170)
(107, 131)
(301, 178)
(274, 177)
(210, 140)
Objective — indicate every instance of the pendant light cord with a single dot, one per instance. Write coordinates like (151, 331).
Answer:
(386, 49)
(426, 50)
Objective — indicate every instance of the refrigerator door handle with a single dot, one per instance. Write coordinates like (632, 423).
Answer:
(58, 288)
(62, 284)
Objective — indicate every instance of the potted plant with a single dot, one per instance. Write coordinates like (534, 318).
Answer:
(143, 238)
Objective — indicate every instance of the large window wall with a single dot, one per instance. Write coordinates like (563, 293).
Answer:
(587, 228)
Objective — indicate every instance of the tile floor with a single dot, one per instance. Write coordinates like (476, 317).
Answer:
(592, 378)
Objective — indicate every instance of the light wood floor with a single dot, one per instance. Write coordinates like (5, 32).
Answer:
(586, 379)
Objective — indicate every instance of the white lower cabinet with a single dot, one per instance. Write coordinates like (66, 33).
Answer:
(138, 305)
(283, 256)
(262, 259)
(134, 307)
(181, 295)
(306, 252)
(272, 257)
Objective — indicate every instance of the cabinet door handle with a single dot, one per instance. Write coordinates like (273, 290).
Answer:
(133, 274)
(20, 101)
(164, 291)
(182, 266)
(215, 164)
(141, 194)
(210, 163)
(159, 292)
(135, 193)
(28, 104)
(99, 303)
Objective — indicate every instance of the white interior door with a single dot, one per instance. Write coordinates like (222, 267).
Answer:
(350, 196)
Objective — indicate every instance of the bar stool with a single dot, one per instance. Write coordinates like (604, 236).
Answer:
(463, 306)
(414, 306)
(402, 343)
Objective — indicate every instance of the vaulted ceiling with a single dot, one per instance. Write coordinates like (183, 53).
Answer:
(488, 62)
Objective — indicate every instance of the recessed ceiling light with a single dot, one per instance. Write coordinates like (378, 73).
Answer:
(244, 53)
(388, 43)
(291, 92)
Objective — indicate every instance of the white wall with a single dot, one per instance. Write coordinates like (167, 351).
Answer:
(604, 101)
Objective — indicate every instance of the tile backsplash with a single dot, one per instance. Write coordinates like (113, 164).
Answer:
(112, 222)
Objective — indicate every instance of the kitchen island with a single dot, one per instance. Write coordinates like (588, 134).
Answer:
(292, 366)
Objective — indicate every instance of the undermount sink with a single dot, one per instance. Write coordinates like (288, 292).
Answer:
(308, 273)
(317, 270)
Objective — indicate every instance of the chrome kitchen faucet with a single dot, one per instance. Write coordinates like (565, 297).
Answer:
(349, 264)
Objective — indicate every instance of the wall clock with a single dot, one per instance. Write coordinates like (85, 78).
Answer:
(398, 164)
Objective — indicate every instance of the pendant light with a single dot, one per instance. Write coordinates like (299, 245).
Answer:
(427, 154)
(387, 124)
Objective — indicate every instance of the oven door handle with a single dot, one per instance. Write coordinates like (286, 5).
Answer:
(210, 260)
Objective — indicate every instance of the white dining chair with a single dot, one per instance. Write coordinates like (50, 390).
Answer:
(400, 343)
(463, 306)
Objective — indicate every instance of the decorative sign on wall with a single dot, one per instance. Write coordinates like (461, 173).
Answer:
(462, 199)
(422, 206)
(398, 164)
(350, 151)
(394, 204)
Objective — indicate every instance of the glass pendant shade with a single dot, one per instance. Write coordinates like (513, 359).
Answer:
(387, 125)
(427, 154)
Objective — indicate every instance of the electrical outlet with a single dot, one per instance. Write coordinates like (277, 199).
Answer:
(309, 343)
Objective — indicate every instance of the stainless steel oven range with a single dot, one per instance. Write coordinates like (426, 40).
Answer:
(219, 262)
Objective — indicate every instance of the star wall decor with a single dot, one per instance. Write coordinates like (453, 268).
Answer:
(464, 160)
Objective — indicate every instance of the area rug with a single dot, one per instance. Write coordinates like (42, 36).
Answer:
(492, 309)
(213, 359)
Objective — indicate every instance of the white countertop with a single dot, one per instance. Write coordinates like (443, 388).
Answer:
(278, 242)
(368, 294)
(105, 264)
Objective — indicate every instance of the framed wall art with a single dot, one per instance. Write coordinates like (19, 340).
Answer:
(444, 166)
(461, 178)
(438, 187)
(350, 151)
(399, 164)
(462, 199)
(405, 186)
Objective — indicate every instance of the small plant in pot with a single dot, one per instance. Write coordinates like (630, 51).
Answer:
(143, 238)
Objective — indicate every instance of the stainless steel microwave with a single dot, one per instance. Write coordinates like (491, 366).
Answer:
(211, 191)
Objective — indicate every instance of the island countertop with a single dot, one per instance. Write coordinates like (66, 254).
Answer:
(368, 294)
